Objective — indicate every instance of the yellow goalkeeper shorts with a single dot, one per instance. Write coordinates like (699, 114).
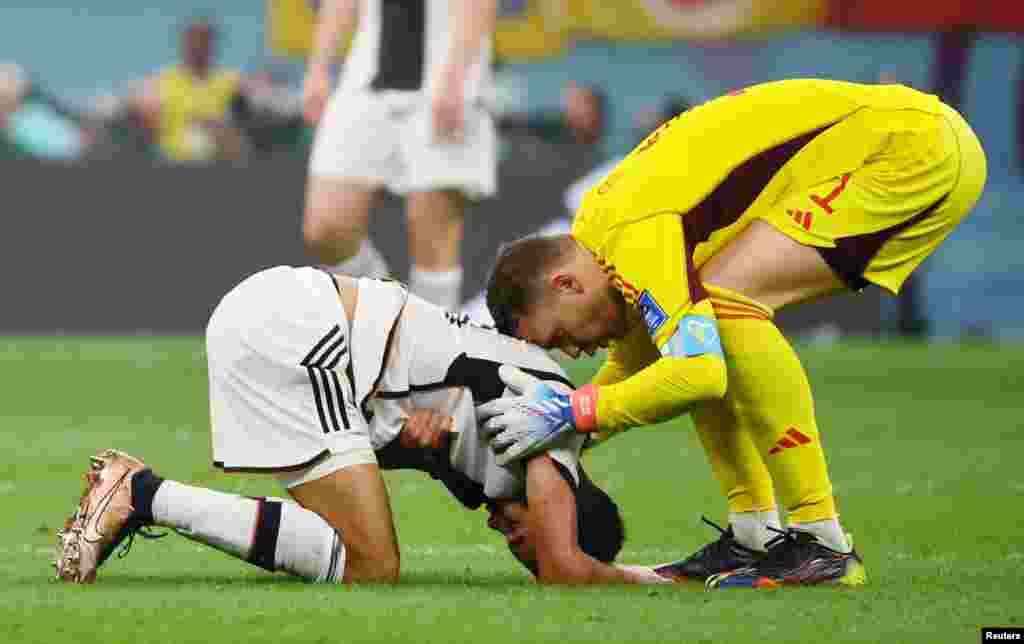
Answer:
(878, 221)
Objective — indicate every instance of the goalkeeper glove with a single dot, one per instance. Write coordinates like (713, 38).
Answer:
(537, 416)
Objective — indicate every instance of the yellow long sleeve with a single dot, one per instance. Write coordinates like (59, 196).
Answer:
(665, 389)
(626, 357)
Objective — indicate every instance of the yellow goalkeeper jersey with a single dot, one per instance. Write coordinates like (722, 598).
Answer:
(670, 204)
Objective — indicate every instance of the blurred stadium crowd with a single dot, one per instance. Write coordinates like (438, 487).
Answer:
(193, 109)
(583, 95)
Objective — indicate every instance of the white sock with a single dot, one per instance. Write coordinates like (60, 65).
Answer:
(443, 288)
(368, 262)
(271, 533)
(751, 528)
(828, 531)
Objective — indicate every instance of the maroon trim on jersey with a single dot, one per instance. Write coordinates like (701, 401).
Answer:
(731, 198)
(851, 256)
(693, 283)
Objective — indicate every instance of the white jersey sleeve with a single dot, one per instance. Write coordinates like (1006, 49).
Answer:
(445, 362)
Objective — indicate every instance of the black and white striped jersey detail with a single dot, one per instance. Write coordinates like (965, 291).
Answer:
(327, 389)
(401, 45)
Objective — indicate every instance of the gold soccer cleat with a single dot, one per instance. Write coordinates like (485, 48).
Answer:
(104, 518)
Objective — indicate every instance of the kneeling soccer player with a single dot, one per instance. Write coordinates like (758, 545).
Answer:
(768, 197)
(311, 376)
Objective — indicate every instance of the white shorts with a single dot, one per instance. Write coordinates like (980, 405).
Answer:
(281, 393)
(385, 139)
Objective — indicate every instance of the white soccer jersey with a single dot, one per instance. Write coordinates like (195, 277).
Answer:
(402, 44)
(291, 382)
(441, 361)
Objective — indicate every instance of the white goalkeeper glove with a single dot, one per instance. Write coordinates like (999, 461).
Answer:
(536, 417)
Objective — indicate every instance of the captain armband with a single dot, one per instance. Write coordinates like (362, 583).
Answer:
(695, 335)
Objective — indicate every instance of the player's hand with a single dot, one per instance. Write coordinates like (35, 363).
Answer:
(447, 108)
(642, 574)
(448, 120)
(530, 422)
(316, 89)
(426, 429)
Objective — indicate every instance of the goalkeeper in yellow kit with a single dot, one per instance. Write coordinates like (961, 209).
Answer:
(767, 197)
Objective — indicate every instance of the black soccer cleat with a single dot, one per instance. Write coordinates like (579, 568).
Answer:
(795, 558)
(722, 555)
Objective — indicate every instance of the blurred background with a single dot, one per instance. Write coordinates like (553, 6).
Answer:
(120, 217)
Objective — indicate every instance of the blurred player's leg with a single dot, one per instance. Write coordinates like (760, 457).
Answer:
(440, 177)
(335, 227)
(353, 156)
(435, 240)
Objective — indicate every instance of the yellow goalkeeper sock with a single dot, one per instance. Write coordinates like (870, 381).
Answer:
(770, 399)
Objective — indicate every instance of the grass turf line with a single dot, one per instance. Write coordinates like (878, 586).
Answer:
(924, 445)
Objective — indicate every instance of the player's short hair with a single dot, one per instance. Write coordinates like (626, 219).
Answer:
(517, 281)
(599, 528)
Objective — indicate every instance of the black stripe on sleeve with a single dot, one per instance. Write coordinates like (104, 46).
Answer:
(332, 414)
(324, 381)
(341, 354)
(330, 352)
(341, 398)
(308, 360)
(315, 382)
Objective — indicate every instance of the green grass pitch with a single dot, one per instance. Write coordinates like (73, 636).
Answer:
(926, 446)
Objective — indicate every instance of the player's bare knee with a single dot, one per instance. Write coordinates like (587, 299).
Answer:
(328, 240)
(314, 236)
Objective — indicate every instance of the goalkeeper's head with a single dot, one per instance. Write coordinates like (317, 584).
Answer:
(553, 292)
(599, 529)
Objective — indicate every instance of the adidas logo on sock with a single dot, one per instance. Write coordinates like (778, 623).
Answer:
(792, 438)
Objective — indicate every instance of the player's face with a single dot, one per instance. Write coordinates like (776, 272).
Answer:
(197, 45)
(582, 111)
(577, 322)
(510, 519)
